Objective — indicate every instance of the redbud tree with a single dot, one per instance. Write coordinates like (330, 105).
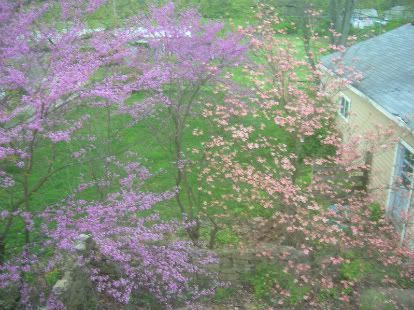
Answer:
(188, 58)
(46, 78)
(58, 79)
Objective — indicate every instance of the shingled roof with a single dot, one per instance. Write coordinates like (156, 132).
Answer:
(387, 65)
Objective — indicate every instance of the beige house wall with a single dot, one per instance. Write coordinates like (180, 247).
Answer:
(363, 118)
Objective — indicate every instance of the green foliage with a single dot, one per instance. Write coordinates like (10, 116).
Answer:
(225, 8)
(266, 276)
(223, 237)
(81, 294)
(374, 300)
(312, 147)
(392, 24)
(262, 280)
(223, 293)
(53, 276)
(360, 268)
(376, 212)
(305, 177)
(288, 24)
(322, 27)
(327, 294)
(139, 138)
(226, 236)
(355, 270)
(114, 13)
(8, 298)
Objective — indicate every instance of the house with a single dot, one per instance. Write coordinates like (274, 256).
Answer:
(399, 12)
(362, 18)
(384, 96)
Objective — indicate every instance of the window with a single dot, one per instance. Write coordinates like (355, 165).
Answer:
(344, 107)
(402, 184)
(407, 169)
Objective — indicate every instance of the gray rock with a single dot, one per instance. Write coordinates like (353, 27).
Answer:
(62, 285)
(82, 242)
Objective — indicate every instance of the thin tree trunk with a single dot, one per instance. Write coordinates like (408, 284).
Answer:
(26, 207)
(114, 10)
(179, 117)
(297, 162)
(193, 231)
(213, 234)
(108, 129)
(340, 13)
(346, 22)
(333, 13)
(2, 249)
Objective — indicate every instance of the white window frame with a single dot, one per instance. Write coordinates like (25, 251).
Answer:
(391, 182)
(346, 98)
(411, 150)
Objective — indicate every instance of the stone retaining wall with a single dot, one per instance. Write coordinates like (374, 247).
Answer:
(236, 262)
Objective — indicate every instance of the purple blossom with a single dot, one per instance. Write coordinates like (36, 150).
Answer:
(135, 243)
(54, 75)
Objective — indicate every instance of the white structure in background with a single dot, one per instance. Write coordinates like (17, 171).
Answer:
(90, 31)
(400, 12)
(137, 34)
(37, 35)
(141, 34)
(362, 18)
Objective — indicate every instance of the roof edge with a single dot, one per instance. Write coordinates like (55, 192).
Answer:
(377, 106)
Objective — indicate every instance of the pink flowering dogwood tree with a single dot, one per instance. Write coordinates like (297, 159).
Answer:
(272, 169)
(293, 182)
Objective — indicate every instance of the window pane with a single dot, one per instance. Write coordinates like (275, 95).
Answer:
(344, 106)
(409, 157)
(407, 181)
(346, 103)
(407, 168)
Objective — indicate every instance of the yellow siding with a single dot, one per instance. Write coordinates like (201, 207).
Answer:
(363, 118)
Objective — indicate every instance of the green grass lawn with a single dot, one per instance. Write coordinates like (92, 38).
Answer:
(154, 155)
(140, 138)
(148, 138)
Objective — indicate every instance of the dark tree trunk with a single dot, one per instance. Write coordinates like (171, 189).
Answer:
(366, 173)
(2, 250)
(340, 13)
(346, 22)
